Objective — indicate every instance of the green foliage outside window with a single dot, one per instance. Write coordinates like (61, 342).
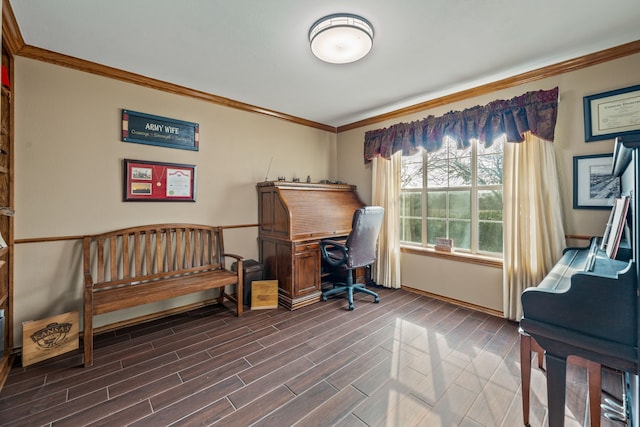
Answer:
(460, 188)
(411, 217)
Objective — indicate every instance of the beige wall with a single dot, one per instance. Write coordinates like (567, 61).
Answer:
(483, 285)
(68, 173)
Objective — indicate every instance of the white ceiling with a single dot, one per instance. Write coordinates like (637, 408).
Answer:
(257, 51)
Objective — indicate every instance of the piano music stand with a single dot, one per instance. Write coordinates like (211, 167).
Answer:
(594, 378)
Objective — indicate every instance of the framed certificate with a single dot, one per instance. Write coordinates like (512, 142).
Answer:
(611, 114)
(158, 182)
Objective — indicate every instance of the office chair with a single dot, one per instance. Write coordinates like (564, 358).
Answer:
(358, 251)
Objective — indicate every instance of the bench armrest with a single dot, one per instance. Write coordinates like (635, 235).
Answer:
(88, 280)
(237, 257)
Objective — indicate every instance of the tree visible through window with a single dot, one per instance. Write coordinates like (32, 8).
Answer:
(454, 193)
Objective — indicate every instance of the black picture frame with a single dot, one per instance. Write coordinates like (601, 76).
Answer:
(142, 128)
(146, 181)
(611, 114)
(594, 187)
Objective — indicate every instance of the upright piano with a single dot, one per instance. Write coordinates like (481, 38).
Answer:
(587, 305)
(293, 217)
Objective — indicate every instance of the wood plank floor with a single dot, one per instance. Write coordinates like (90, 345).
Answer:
(408, 361)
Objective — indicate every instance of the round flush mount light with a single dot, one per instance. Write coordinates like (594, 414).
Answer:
(341, 38)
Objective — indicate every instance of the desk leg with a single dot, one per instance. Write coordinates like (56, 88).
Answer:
(525, 374)
(556, 388)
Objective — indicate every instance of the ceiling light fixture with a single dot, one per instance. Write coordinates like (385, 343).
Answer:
(341, 38)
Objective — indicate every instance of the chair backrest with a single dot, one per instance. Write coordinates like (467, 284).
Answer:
(362, 240)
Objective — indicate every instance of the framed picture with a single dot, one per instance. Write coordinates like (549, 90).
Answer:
(611, 114)
(158, 182)
(148, 129)
(593, 185)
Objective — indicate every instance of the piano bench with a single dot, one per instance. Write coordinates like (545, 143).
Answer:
(594, 375)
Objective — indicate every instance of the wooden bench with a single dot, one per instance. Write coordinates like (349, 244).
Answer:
(150, 263)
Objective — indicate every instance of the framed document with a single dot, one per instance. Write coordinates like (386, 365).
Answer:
(158, 182)
(611, 114)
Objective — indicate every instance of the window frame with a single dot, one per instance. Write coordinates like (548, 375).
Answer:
(474, 189)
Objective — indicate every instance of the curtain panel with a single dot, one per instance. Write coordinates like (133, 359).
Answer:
(534, 112)
(386, 193)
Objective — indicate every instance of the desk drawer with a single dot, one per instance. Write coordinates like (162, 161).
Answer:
(306, 247)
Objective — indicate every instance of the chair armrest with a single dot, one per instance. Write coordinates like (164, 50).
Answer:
(332, 244)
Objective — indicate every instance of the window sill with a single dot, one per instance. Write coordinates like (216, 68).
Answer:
(453, 256)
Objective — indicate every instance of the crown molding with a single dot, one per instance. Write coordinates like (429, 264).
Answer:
(12, 39)
(11, 35)
(530, 76)
(62, 60)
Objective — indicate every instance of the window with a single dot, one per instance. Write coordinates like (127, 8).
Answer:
(456, 194)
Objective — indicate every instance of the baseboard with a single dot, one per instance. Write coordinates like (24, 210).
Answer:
(17, 351)
(454, 301)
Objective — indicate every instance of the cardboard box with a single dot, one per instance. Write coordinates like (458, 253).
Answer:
(46, 338)
(264, 294)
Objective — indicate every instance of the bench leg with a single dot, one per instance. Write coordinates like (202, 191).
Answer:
(239, 294)
(87, 340)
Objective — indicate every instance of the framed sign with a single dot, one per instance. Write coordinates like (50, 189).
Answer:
(611, 114)
(158, 182)
(161, 131)
(593, 185)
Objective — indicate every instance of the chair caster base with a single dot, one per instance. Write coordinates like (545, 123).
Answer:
(376, 300)
(324, 299)
(351, 307)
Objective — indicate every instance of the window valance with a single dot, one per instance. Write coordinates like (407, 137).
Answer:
(534, 111)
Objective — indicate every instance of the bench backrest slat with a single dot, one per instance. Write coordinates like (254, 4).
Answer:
(113, 257)
(126, 267)
(219, 250)
(167, 264)
(151, 252)
(161, 265)
(148, 252)
(100, 260)
(178, 258)
(197, 253)
(137, 254)
(189, 258)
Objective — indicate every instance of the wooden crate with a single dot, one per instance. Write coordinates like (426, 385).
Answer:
(264, 294)
(46, 338)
